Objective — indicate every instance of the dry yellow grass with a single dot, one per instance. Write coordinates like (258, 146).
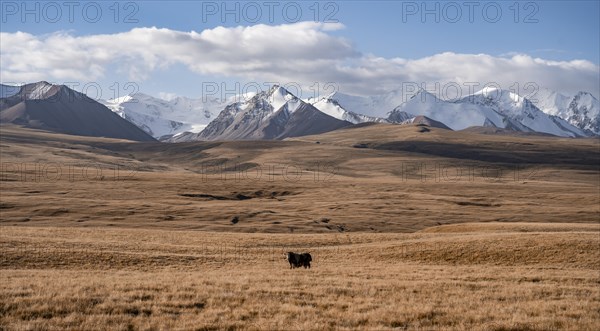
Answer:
(60, 278)
(197, 185)
(192, 241)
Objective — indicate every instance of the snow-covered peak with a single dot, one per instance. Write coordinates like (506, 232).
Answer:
(551, 102)
(503, 101)
(279, 96)
(261, 106)
(584, 112)
(127, 98)
(499, 96)
(454, 115)
(520, 113)
(425, 97)
(38, 91)
(330, 105)
(160, 117)
(586, 99)
(581, 110)
(487, 91)
(369, 108)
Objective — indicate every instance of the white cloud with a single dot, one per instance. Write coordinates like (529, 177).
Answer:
(239, 50)
(303, 52)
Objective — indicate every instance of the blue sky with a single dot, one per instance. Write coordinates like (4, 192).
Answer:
(551, 30)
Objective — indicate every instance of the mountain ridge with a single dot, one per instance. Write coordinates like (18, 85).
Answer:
(58, 108)
(273, 114)
(262, 116)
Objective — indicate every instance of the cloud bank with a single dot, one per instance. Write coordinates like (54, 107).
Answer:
(304, 52)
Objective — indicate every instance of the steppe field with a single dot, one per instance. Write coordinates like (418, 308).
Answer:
(409, 227)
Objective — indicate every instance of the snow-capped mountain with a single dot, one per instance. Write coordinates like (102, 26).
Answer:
(276, 113)
(331, 106)
(359, 109)
(519, 113)
(488, 107)
(272, 114)
(60, 109)
(160, 117)
(581, 110)
(457, 116)
(147, 115)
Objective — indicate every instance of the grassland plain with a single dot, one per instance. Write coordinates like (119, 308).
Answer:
(469, 276)
(409, 230)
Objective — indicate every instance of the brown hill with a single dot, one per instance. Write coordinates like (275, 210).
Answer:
(424, 120)
(521, 149)
(296, 184)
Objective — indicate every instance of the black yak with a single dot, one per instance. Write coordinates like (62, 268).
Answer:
(298, 260)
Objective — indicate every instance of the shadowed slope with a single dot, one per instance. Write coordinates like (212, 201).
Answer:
(60, 109)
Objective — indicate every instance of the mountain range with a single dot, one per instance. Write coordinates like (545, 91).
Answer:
(492, 108)
(487, 107)
(581, 110)
(277, 114)
(160, 117)
(58, 108)
(548, 112)
(273, 114)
